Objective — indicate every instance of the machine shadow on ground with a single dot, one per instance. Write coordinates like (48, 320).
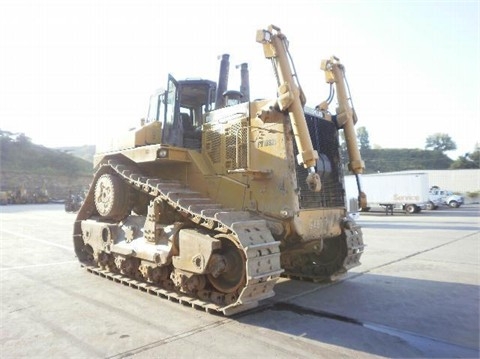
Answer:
(368, 312)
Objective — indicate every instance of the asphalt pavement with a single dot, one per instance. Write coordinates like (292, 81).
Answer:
(416, 295)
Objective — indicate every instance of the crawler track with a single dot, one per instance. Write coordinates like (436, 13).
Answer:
(251, 234)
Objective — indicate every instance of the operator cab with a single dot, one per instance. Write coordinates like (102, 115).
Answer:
(181, 109)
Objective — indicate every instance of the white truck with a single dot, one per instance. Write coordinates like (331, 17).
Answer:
(439, 196)
(407, 192)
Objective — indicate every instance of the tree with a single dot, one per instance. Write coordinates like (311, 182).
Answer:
(22, 138)
(6, 136)
(440, 142)
(475, 155)
(469, 160)
(363, 139)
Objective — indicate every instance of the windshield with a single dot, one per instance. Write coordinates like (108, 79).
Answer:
(156, 108)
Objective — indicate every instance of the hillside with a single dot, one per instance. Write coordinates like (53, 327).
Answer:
(84, 152)
(392, 160)
(23, 155)
(24, 164)
(66, 169)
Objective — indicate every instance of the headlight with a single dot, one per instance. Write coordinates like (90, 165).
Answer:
(162, 153)
(263, 36)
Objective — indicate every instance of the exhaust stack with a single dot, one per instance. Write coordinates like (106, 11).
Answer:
(245, 82)
(222, 81)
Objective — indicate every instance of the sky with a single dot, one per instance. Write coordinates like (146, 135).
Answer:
(77, 72)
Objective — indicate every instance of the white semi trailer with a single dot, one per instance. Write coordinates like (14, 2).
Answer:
(390, 192)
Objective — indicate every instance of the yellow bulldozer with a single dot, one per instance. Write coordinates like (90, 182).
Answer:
(214, 197)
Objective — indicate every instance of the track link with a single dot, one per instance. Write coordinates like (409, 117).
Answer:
(251, 233)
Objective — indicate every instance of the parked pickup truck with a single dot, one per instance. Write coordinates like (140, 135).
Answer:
(439, 196)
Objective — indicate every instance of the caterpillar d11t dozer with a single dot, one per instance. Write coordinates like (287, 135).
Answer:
(214, 196)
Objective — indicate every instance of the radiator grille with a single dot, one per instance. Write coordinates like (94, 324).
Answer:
(233, 137)
(325, 140)
(236, 146)
(213, 144)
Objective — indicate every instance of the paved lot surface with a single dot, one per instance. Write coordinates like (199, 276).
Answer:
(415, 295)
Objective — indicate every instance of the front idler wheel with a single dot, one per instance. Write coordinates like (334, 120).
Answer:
(112, 197)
